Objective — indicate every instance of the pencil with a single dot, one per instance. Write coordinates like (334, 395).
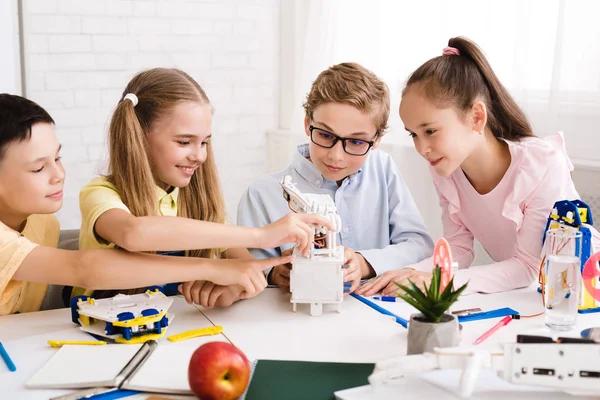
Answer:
(6, 358)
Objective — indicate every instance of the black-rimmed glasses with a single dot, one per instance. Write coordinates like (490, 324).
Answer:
(354, 147)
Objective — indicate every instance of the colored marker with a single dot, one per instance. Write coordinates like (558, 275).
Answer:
(503, 322)
(391, 299)
(9, 363)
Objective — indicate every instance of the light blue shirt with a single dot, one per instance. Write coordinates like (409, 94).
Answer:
(380, 219)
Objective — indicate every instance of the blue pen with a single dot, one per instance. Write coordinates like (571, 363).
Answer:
(6, 358)
(391, 299)
(382, 310)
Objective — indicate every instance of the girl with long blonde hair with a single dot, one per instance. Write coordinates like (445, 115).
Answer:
(162, 191)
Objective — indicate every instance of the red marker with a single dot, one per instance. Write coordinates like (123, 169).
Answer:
(503, 322)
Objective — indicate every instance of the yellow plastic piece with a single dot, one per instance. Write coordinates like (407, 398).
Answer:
(585, 298)
(583, 214)
(140, 321)
(213, 330)
(91, 301)
(554, 224)
(569, 220)
(141, 339)
(84, 319)
(60, 343)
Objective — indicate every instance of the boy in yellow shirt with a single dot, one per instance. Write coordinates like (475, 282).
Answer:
(31, 182)
(42, 230)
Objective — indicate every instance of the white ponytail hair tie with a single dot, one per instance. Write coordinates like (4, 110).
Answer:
(132, 97)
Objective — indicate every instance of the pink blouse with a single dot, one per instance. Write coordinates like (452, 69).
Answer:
(510, 220)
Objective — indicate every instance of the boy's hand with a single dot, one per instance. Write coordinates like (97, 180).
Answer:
(385, 282)
(352, 270)
(293, 228)
(209, 295)
(280, 275)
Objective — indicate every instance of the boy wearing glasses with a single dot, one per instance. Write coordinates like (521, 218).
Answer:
(347, 110)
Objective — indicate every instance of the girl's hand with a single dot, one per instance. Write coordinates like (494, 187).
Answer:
(293, 228)
(385, 282)
(247, 273)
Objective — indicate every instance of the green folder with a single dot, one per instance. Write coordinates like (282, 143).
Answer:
(302, 380)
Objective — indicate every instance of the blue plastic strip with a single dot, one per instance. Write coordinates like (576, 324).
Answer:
(382, 310)
(501, 312)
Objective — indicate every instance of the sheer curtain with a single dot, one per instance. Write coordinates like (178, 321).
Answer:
(546, 52)
(10, 72)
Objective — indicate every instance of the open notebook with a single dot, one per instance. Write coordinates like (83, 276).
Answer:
(153, 368)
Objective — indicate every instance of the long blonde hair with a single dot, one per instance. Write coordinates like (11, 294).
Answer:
(130, 168)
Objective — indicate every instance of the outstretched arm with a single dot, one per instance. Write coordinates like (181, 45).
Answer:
(118, 269)
(174, 233)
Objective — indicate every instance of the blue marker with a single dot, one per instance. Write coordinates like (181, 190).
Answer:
(6, 358)
(391, 299)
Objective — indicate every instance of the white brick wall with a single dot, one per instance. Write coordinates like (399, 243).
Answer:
(80, 54)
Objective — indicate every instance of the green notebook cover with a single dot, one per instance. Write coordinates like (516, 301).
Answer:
(304, 380)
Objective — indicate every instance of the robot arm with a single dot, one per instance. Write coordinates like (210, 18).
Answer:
(564, 365)
(317, 204)
(296, 200)
(442, 358)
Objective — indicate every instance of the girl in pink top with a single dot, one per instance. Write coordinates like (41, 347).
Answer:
(496, 181)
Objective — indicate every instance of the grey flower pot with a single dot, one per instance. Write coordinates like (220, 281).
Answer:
(424, 336)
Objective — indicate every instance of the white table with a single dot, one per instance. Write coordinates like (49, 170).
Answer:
(266, 328)
(25, 336)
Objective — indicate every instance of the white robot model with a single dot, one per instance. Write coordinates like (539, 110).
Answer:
(317, 279)
(567, 366)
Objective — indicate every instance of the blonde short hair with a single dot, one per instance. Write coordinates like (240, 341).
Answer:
(353, 84)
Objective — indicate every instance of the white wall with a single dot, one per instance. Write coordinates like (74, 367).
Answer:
(10, 74)
(79, 55)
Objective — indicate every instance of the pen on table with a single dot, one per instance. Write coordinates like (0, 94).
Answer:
(382, 310)
(391, 299)
(9, 363)
(503, 322)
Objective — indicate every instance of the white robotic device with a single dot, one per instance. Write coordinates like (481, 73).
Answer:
(317, 279)
(570, 367)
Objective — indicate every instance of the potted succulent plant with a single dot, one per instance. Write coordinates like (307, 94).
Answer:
(432, 327)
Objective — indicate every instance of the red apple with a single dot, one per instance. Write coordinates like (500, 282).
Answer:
(218, 371)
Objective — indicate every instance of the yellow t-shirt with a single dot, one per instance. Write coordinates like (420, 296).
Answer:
(17, 296)
(99, 196)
